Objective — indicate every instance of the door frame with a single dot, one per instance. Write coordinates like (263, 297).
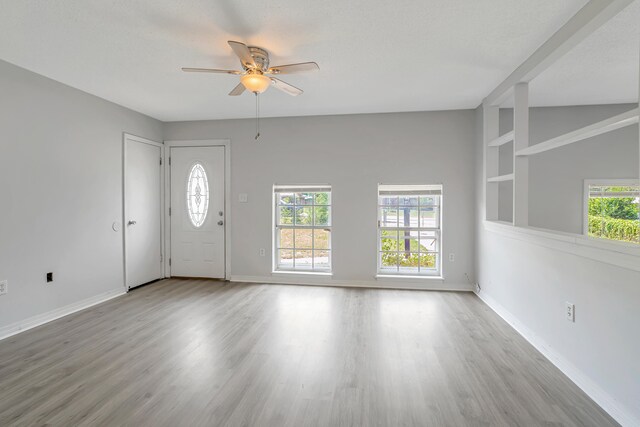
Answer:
(130, 138)
(226, 143)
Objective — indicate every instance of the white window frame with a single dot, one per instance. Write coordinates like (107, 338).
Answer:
(321, 188)
(427, 273)
(585, 204)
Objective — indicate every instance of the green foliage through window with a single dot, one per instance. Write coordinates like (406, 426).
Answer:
(627, 230)
(615, 214)
(413, 256)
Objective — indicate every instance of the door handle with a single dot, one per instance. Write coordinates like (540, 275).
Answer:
(220, 222)
(132, 223)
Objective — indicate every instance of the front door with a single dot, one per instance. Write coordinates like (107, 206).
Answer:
(197, 212)
(143, 210)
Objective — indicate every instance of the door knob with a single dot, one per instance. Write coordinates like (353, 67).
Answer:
(220, 222)
(132, 223)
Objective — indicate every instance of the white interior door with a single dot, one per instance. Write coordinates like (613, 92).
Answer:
(198, 212)
(143, 210)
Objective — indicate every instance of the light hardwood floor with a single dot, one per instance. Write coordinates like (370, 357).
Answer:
(197, 352)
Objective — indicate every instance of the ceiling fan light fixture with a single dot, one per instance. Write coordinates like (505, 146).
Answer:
(256, 83)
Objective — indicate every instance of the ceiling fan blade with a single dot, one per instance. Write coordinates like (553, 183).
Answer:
(286, 87)
(210, 70)
(293, 68)
(238, 90)
(243, 53)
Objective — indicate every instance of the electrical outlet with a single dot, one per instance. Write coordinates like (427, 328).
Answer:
(49, 277)
(570, 311)
(243, 197)
(263, 252)
(4, 287)
(452, 257)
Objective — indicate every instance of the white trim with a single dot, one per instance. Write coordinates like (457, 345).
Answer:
(304, 273)
(501, 140)
(278, 188)
(401, 284)
(410, 189)
(490, 161)
(41, 319)
(226, 143)
(579, 378)
(619, 121)
(382, 276)
(588, 19)
(126, 137)
(501, 178)
(196, 142)
(621, 254)
(520, 190)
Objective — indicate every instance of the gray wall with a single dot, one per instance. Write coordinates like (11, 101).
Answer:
(556, 178)
(352, 153)
(531, 282)
(61, 175)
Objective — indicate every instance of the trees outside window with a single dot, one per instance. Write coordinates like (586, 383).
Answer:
(613, 211)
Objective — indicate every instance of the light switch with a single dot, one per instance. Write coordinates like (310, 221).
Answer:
(243, 198)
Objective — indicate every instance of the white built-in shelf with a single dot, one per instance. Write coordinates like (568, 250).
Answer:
(616, 122)
(501, 178)
(503, 139)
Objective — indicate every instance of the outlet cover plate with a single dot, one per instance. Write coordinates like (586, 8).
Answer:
(4, 287)
(570, 311)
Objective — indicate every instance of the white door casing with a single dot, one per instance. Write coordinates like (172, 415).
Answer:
(142, 228)
(197, 240)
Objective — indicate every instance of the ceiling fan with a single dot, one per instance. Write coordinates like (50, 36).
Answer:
(257, 75)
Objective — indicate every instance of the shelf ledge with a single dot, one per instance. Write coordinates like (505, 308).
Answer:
(616, 122)
(501, 178)
(621, 254)
(501, 140)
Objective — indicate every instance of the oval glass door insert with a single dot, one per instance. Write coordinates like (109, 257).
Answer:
(197, 195)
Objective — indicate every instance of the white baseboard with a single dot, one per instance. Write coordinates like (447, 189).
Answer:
(407, 284)
(40, 319)
(593, 390)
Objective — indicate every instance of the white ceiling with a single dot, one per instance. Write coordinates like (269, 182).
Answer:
(374, 55)
(603, 69)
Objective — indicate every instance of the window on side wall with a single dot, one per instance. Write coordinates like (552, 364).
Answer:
(612, 210)
(302, 228)
(409, 230)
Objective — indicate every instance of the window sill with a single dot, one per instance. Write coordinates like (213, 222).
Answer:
(407, 277)
(621, 254)
(303, 273)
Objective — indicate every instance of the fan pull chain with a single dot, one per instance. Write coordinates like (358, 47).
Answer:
(257, 116)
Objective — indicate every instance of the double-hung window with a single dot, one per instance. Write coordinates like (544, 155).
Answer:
(302, 232)
(612, 210)
(409, 230)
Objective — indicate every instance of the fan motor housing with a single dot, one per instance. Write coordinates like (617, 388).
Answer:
(261, 57)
